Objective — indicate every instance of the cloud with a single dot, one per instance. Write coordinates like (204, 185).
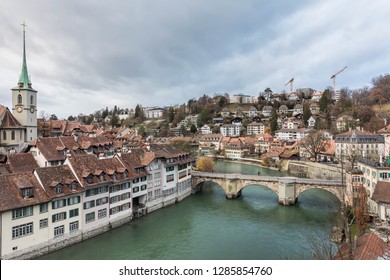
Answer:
(84, 56)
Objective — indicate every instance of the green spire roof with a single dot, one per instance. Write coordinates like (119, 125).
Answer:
(24, 80)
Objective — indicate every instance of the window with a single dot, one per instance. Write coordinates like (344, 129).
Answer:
(26, 192)
(12, 135)
(73, 186)
(43, 208)
(73, 213)
(73, 200)
(115, 199)
(171, 168)
(157, 175)
(73, 226)
(20, 99)
(101, 177)
(58, 217)
(89, 204)
(143, 187)
(22, 230)
(58, 204)
(4, 135)
(89, 179)
(59, 188)
(101, 201)
(170, 178)
(22, 212)
(102, 213)
(90, 217)
(43, 223)
(135, 189)
(31, 100)
(58, 231)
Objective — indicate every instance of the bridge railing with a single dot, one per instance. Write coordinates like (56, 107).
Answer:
(233, 176)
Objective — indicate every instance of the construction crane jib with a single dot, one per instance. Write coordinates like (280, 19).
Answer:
(291, 85)
(334, 77)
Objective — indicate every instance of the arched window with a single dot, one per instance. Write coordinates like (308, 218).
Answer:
(31, 99)
(12, 135)
(4, 135)
(20, 100)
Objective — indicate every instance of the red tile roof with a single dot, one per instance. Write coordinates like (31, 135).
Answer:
(52, 176)
(22, 162)
(368, 247)
(382, 192)
(10, 196)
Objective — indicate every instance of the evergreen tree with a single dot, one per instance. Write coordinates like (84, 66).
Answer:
(274, 120)
(325, 101)
(306, 113)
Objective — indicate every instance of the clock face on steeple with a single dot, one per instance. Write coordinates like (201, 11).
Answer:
(19, 108)
(32, 109)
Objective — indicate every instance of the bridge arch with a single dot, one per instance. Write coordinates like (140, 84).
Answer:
(198, 184)
(271, 186)
(337, 192)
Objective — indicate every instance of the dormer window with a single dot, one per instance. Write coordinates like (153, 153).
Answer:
(102, 177)
(114, 176)
(26, 192)
(73, 186)
(59, 188)
(89, 179)
(125, 174)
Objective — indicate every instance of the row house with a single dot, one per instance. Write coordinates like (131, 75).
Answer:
(292, 134)
(385, 132)
(175, 171)
(46, 208)
(107, 196)
(255, 128)
(376, 181)
(20, 208)
(359, 143)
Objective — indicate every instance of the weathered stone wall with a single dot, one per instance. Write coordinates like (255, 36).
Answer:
(312, 170)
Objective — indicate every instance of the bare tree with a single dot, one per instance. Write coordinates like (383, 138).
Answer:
(314, 143)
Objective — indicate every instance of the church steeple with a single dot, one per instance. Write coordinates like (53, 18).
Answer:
(24, 80)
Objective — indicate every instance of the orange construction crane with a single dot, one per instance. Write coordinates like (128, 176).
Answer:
(334, 78)
(291, 85)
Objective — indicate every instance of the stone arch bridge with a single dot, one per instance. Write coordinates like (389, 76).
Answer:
(287, 188)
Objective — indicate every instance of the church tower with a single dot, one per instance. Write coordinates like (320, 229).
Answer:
(24, 99)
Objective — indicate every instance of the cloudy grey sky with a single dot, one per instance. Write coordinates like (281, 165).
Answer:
(85, 55)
